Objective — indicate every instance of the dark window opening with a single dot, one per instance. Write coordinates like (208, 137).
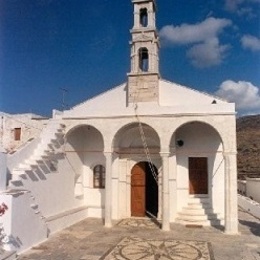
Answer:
(143, 17)
(143, 59)
(99, 177)
(17, 134)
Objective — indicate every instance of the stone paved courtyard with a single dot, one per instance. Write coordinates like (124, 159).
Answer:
(135, 239)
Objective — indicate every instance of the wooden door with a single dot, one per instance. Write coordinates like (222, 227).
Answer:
(138, 190)
(198, 175)
(17, 134)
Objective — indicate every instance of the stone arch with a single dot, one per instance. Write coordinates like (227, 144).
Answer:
(143, 55)
(143, 17)
(129, 137)
(191, 128)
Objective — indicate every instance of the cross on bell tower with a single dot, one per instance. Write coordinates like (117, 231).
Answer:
(143, 80)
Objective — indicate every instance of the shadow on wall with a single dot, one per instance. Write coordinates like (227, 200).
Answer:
(254, 227)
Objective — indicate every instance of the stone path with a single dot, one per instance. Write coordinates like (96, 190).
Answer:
(135, 239)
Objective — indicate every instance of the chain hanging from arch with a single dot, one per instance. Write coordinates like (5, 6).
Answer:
(146, 149)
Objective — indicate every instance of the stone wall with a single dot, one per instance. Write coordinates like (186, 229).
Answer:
(16, 130)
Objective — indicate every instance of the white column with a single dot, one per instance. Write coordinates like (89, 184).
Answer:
(231, 209)
(108, 188)
(173, 184)
(160, 206)
(165, 192)
(3, 169)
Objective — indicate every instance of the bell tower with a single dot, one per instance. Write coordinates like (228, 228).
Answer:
(143, 79)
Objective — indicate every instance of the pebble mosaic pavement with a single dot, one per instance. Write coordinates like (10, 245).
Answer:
(135, 248)
(136, 239)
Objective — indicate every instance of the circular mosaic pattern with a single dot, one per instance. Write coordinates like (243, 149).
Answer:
(134, 248)
(160, 250)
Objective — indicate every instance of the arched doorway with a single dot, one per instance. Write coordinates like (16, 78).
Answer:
(144, 190)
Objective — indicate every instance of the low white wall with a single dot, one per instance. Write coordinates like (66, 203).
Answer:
(20, 220)
(3, 169)
(241, 187)
(249, 205)
(66, 219)
(253, 188)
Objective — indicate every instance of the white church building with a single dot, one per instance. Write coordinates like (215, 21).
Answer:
(146, 148)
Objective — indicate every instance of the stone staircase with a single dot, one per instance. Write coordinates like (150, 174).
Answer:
(198, 212)
(43, 158)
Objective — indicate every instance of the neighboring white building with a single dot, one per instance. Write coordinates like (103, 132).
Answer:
(16, 130)
(146, 147)
(250, 188)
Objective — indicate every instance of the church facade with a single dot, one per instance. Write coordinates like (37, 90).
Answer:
(146, 148)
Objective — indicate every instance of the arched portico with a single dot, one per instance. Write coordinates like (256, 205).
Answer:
(200, 164)
(84, 150)
(201, 168)
(135, 144)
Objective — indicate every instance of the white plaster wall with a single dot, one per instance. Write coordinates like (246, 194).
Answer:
(174, 100)
(253, 188)
(54, 192)
(172, 94)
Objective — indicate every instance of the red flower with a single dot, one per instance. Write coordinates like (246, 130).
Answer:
(3, 209)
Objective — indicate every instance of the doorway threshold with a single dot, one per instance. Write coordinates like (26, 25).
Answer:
(140, 222)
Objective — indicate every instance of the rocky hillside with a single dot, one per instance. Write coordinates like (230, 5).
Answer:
(248, 146)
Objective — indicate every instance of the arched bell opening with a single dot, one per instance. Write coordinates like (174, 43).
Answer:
(143, 17)
(143, 59)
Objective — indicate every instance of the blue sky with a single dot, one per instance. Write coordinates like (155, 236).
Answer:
(83, 46)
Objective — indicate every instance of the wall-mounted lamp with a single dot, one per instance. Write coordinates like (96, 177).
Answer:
(180, 143)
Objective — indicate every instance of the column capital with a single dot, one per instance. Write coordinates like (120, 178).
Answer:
(108, 152)
(228, 153)
(164, 152)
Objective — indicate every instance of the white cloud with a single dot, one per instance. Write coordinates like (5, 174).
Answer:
(233, 5)
(194, 33)
(209, 53)
(244, 94)
(250, 42)
(241, 7)
(206, 50)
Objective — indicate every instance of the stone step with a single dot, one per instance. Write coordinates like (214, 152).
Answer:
(197, 205)
(198, 200)
(197, 211)
(190, 217)
(193, 222)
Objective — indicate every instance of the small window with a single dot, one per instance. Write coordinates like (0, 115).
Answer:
(143, 59)
(17, 134)
(143, 17)
(99, 177)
